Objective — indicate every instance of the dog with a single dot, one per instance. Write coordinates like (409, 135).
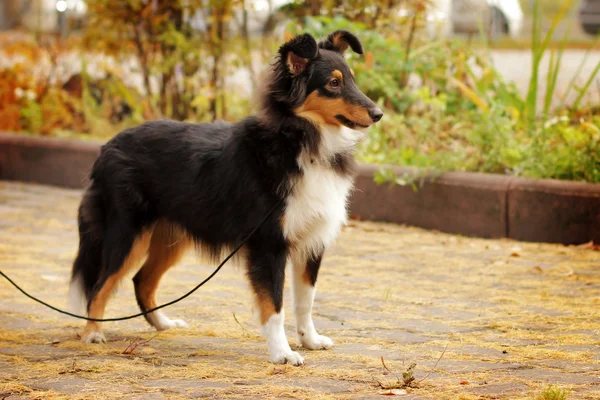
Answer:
(164, 186)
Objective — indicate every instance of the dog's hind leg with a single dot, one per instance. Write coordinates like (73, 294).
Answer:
(123, 250)
(266, 270)
(304, 278)
(167, 245)
(87, 266)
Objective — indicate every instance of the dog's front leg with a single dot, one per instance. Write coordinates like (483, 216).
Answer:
(266, 270)
(304, 279)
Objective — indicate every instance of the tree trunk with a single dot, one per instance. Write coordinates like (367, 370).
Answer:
(177, 109)
(217, 38)
(315, 6)
(143, 60)
(248, 46)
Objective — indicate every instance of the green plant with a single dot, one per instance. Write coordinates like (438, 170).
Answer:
(538, 49)
(552, 392)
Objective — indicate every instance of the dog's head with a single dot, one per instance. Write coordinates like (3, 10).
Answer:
(315, 82)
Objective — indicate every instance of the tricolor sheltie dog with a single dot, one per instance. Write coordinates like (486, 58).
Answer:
(164, 186)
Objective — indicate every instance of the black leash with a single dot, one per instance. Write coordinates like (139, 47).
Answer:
(155, 308)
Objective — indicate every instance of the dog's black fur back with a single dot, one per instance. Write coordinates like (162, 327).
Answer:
(218, 181)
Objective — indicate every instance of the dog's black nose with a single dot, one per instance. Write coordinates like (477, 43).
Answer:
(375, 114)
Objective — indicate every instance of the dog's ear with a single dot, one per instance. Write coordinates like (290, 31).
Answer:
(340, 41)
(298, 52)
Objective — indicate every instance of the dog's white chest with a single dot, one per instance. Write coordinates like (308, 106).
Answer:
(316, 211)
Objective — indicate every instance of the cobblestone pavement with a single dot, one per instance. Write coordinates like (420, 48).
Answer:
(513, 318)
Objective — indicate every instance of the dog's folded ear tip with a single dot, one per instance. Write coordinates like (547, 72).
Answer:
(340, 40)
(341, 32)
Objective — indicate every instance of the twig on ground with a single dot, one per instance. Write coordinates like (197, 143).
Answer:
(385, 366)
(246, 333)
(132, 347)
(436, 363)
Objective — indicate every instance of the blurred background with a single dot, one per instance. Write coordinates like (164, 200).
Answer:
(501, 86)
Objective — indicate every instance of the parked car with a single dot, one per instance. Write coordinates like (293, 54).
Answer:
(589, 16)
(496, 17)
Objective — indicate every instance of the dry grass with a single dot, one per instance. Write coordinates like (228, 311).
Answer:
(511, 324)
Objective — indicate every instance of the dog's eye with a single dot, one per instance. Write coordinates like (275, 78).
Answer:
(334, 82)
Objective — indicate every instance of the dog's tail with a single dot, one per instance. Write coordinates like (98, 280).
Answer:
(88, 263)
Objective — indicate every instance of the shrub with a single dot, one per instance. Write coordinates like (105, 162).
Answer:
(447, 108)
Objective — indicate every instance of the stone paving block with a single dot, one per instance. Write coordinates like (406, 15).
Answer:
(500, 390)
(557, 377)
(189, 387)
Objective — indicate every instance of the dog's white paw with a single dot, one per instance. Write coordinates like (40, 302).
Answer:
(167, 323)
(287, 357)
(93, 337)
(315, 342)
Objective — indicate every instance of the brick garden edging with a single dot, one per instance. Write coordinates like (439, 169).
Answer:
(473, 204)
(50, 161)
(485, 205)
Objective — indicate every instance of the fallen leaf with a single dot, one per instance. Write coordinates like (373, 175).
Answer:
(538, 269)
(515, 254)
(394, 392)
(464, 382)
(278, 371)
(52, 278)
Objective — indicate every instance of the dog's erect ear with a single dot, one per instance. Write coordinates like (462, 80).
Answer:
(298, 52)
(340, 41)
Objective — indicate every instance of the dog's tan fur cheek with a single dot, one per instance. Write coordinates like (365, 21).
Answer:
(322, 110)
